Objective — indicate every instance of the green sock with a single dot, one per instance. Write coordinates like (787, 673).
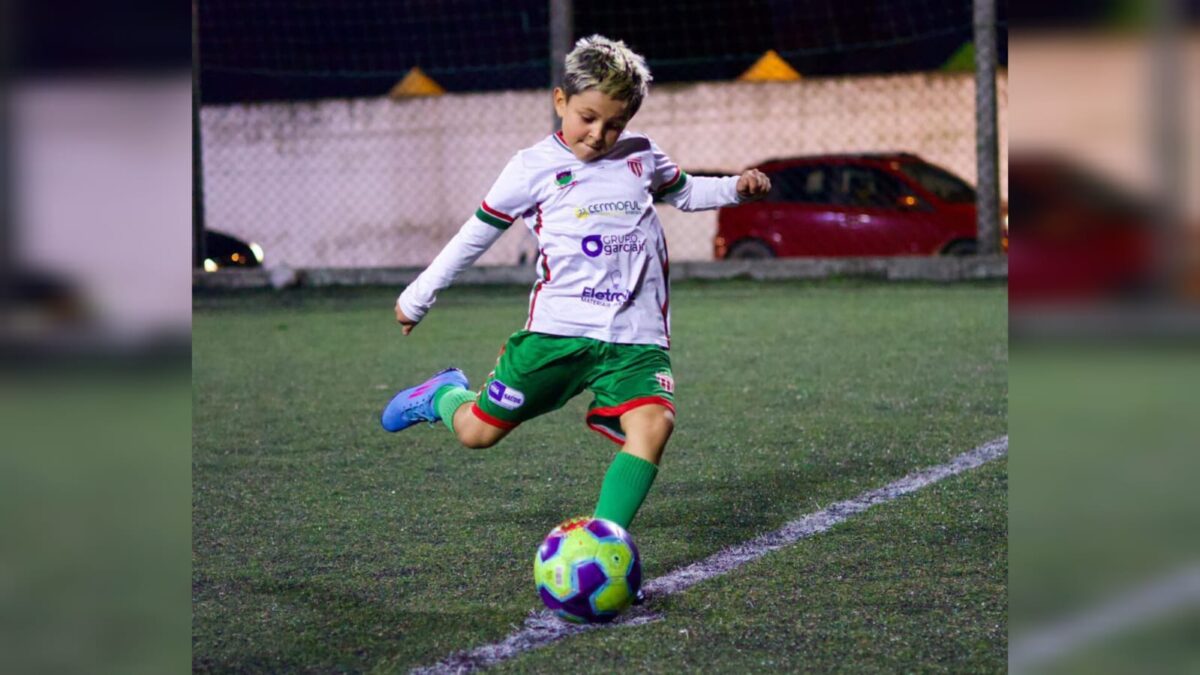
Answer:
(624, 488)
(448, 399)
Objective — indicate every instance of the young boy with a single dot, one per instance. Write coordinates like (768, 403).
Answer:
(599, 312)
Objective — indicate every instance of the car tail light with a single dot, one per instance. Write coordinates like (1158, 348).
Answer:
(720, 247)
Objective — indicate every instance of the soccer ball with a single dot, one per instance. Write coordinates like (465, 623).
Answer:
(587, 570)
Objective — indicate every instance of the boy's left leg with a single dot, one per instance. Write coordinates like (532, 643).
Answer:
(647, 430)
(634, 407)
(632, 472)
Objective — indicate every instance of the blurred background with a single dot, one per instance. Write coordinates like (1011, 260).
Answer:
(1104, 572)
(95, 397)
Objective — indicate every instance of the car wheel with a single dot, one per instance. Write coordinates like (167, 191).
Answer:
(750, 249)
(961, 247)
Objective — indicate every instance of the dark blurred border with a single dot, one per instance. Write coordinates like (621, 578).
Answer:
(1104, 291)
(95, 379)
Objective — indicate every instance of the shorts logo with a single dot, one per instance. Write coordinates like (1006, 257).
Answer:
(611, 244)
(666, 382)
(504, 396)
(635, 165)
(603, 298)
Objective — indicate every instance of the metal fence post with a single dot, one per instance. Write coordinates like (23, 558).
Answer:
(562, 31)
(986, 145)
(198, 243)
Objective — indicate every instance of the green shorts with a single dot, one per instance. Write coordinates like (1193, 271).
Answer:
(539, 373)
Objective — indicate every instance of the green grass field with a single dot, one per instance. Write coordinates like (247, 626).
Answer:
(320, 542)
(1105, 497)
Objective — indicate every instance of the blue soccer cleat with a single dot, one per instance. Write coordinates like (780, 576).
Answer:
(415, 404)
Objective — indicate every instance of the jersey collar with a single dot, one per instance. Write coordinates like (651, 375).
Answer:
(558, 136)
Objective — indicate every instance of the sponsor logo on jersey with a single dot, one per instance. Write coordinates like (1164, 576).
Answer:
(666, 382)
(604, 298)
(635, 165)
(505, 396)
(626, 207)
(595, 245)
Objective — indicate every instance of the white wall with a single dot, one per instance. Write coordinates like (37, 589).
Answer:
(378, 182)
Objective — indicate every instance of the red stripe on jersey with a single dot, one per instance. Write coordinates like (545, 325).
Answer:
(666, 306)
(558, 136)
(537, 229)
(537, 288)
(499, 214)
(671, 182)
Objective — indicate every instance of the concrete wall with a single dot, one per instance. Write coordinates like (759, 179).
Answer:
(378, 182)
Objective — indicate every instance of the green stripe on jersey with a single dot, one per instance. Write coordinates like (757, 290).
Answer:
(490, 219)
(674, 187)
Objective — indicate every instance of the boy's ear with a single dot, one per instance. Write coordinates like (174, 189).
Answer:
(560, 102)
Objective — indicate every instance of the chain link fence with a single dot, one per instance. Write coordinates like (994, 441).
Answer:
(385, 181)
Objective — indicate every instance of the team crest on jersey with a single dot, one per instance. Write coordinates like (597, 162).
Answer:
(635, 165)
(666, 382)
(564, 179)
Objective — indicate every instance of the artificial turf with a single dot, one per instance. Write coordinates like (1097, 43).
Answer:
(320, 542)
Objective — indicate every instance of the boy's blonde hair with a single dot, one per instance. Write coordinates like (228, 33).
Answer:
(608, 66)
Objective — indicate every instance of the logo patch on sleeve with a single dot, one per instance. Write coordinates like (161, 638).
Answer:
(505, 396)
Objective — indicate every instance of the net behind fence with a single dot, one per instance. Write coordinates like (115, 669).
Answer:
(377, 180)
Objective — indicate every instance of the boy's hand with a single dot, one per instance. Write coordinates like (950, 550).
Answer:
(406, 323)
(752, 185)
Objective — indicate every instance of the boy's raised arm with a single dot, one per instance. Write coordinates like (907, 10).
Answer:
(699, 193)
(508, 199)
(472, 240)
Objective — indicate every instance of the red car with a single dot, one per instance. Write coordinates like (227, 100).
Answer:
(852, 205)
(1080, 237)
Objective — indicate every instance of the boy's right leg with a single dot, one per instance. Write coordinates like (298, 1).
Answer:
(534, 375)
(472, 431)
(416, 404)
(444, 397)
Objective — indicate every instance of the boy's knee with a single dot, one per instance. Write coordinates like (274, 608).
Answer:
(664, 421)
(655, 421)
(474, 441)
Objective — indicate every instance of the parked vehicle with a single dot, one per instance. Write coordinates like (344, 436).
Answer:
(1081, 237)
(852, 205)
(223, 251)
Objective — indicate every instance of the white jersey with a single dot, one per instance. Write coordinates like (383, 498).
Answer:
(602, 264)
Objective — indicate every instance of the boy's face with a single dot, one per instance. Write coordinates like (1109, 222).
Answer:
(592, 121)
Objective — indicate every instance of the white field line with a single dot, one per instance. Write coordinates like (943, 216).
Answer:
(1142, 605)
(542, 627)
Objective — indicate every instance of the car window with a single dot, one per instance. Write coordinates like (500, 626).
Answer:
(943, 184)
(801, 184)
(865, 187)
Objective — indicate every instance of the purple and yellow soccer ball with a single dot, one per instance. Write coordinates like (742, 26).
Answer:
(587, 570)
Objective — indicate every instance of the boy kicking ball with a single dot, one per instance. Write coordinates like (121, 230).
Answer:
(599, 312)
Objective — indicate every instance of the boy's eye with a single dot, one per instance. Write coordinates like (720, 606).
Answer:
(589, 120)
